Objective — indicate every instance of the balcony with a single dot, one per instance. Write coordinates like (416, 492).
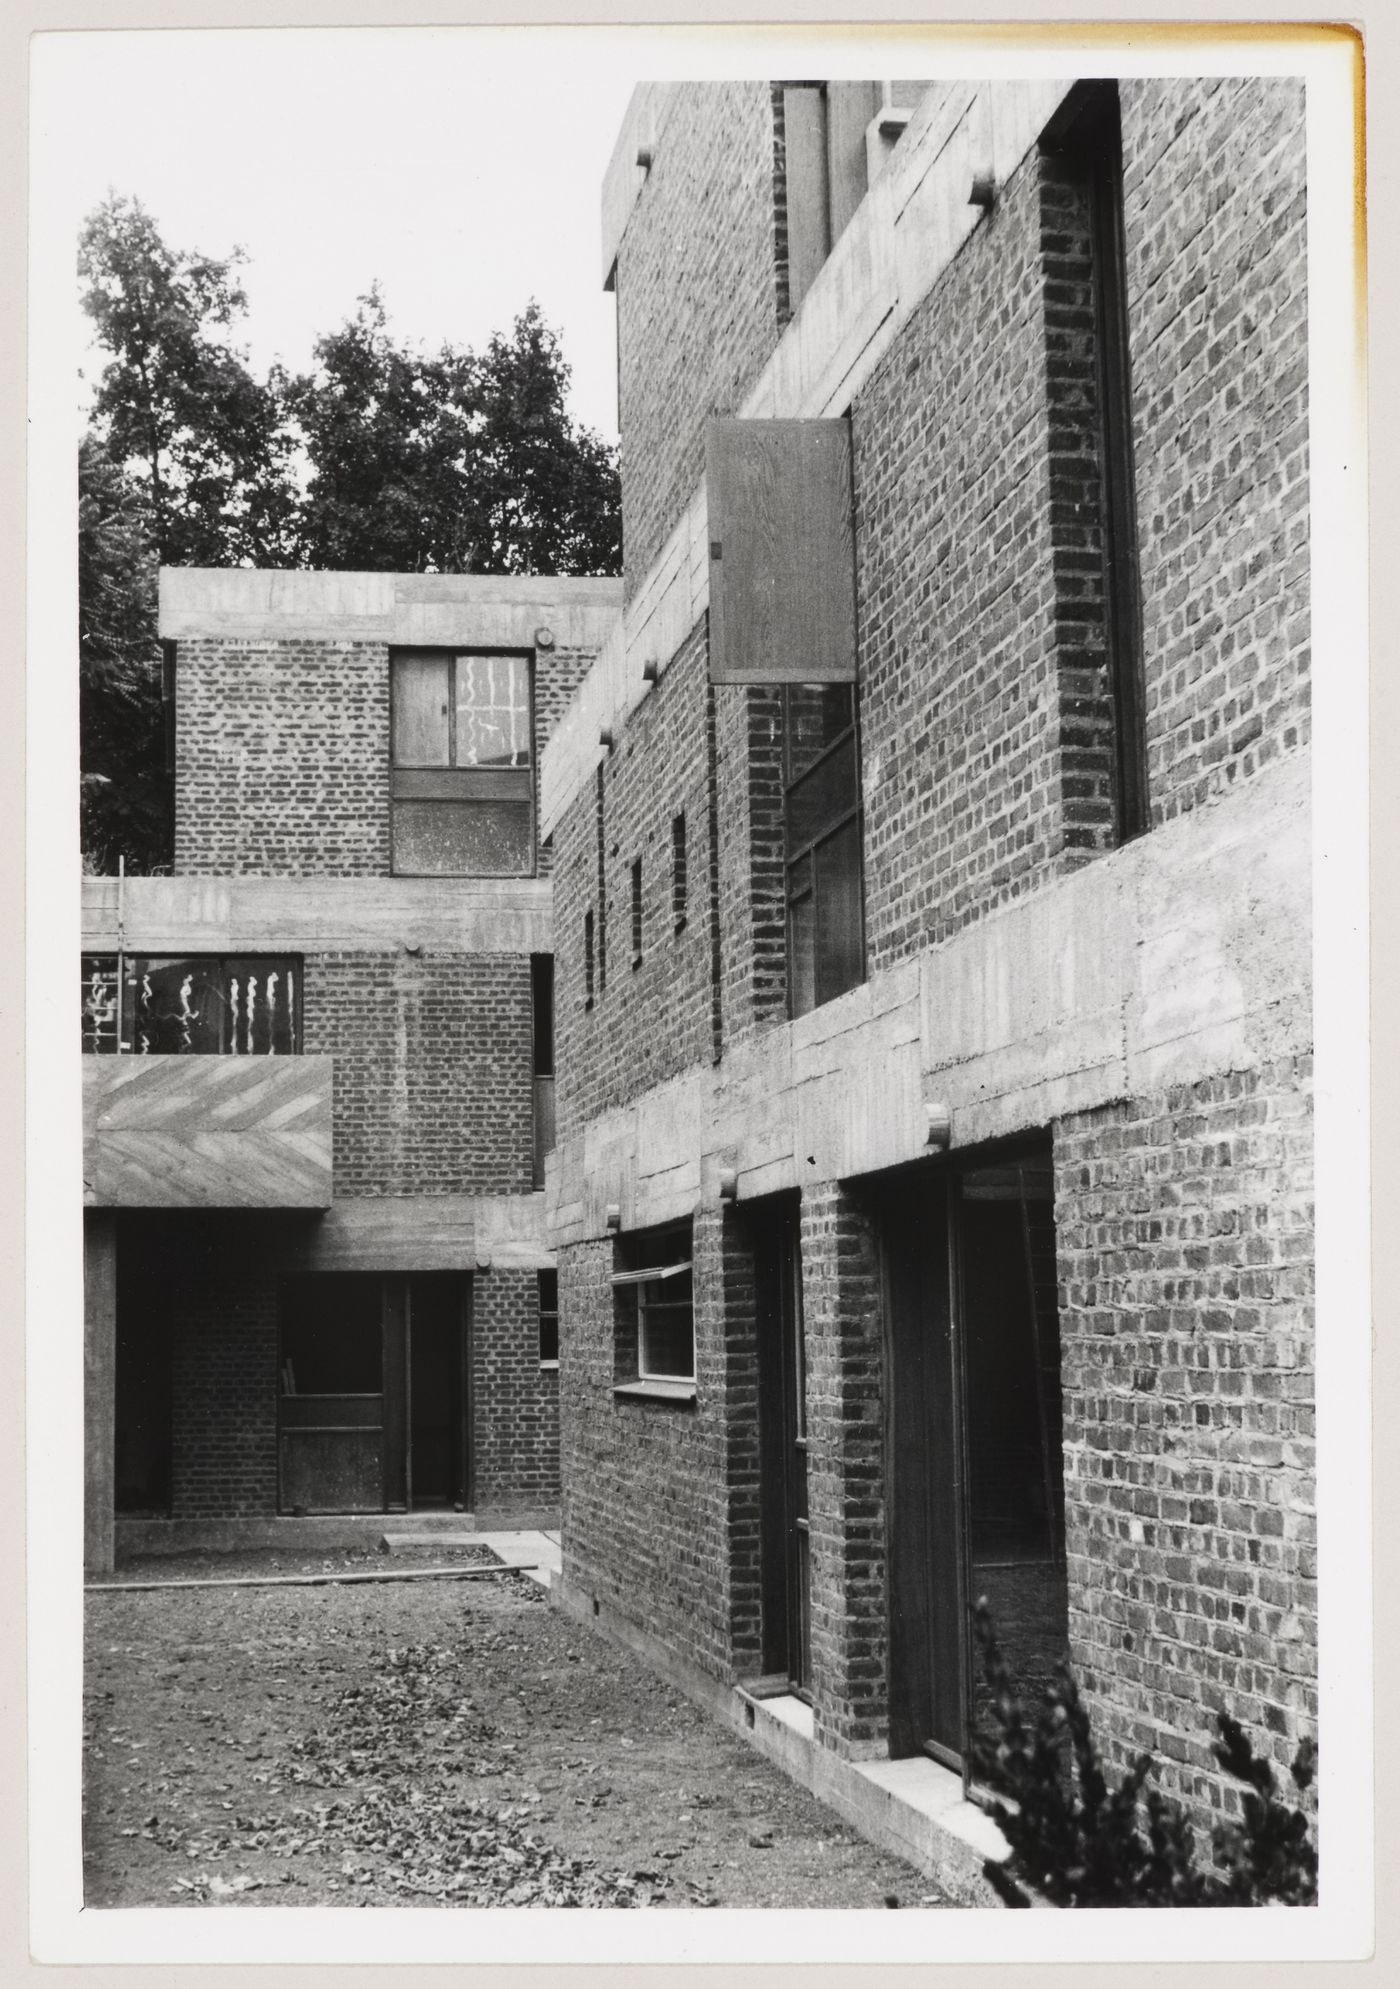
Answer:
(209, 1132)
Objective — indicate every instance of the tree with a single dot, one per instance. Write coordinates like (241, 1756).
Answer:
(125, 790)
(176, 406)
(450, 462)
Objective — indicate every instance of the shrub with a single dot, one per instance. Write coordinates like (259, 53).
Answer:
(1078, 1841)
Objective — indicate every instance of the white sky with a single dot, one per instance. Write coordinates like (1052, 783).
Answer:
(462, 170)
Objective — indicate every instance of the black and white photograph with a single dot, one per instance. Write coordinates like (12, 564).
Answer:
(694, 1261)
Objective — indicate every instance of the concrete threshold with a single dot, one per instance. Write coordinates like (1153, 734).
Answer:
(308, 1532)
(914, 1808)
(328, 1580)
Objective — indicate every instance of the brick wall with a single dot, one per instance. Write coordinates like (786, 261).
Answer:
(515, 1422)
(223, 1372)
(846, 1468)
(1185, 1238)
(696, 300)
(432, 1070)
(657, 1495)
(282, 754)
(1214, 192)
(957, 596)
(282, 759)
(649, 1021)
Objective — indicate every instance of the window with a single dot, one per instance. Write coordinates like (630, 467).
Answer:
(821, 819)
(637, 913)
(1090, 389)
(549, 1318)
(678, 871)
(588, 959)
(836, 137)
(196, 1005)
(654, 1298)
(463, 764)
(542, 1053)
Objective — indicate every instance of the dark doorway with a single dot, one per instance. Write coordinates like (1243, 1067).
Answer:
(784, 1537)
(143, 1399)
(373, 1395)
(435, 1391)
(974, 1438)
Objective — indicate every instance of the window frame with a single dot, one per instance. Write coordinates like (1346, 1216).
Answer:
(666, 1257)
(548, 1362)
(450, 784)
(847, 815)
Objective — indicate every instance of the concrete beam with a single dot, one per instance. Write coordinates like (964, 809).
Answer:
(485, 610)
(1185, 953)
(316, 914)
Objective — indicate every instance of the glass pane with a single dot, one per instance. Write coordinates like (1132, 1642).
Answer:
(332, 1337)
(177, 1007)
(816, 715)
(493, 711)
(822, 797)
(802, 954)
(420, 711)
(840, 949)
(667, 1329)
(1012, 1368)
(462, 838)
(99, 1007)
(261, 998)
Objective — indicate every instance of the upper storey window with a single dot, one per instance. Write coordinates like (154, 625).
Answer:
(821, 820)
(198, 1005)
(463, 764)
(836, 137)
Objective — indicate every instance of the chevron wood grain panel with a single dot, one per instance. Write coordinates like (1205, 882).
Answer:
(207, 1132)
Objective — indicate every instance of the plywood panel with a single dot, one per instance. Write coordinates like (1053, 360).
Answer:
(782, 552)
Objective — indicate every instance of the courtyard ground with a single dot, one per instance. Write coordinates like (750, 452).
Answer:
(430, 1743)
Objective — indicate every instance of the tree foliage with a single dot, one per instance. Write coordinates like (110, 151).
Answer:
(176, 405)
(450, 462)
(1076, 1840)
(381, 457)
(125, 792)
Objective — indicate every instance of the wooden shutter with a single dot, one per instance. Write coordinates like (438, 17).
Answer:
(782, 552)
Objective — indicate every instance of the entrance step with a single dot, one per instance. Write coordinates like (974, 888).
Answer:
(459, 1536)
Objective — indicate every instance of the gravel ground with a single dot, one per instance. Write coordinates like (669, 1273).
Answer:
(430, 1743)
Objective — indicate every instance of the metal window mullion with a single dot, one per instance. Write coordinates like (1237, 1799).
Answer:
(825, 834)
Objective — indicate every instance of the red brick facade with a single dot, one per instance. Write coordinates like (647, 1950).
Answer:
(424, 1009)
(1182, 1211)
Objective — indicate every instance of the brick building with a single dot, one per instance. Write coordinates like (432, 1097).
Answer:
(319, 1081)
(932, 1191)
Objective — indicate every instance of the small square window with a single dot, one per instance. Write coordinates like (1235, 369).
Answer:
(653, 1289)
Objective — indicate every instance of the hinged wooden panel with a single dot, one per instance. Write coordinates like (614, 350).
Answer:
(782, 552)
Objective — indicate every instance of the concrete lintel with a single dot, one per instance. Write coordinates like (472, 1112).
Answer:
(314, 914)
(485, 610)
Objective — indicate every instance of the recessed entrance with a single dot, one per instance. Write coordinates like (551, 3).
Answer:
(974, 1437)
(373, 1393)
